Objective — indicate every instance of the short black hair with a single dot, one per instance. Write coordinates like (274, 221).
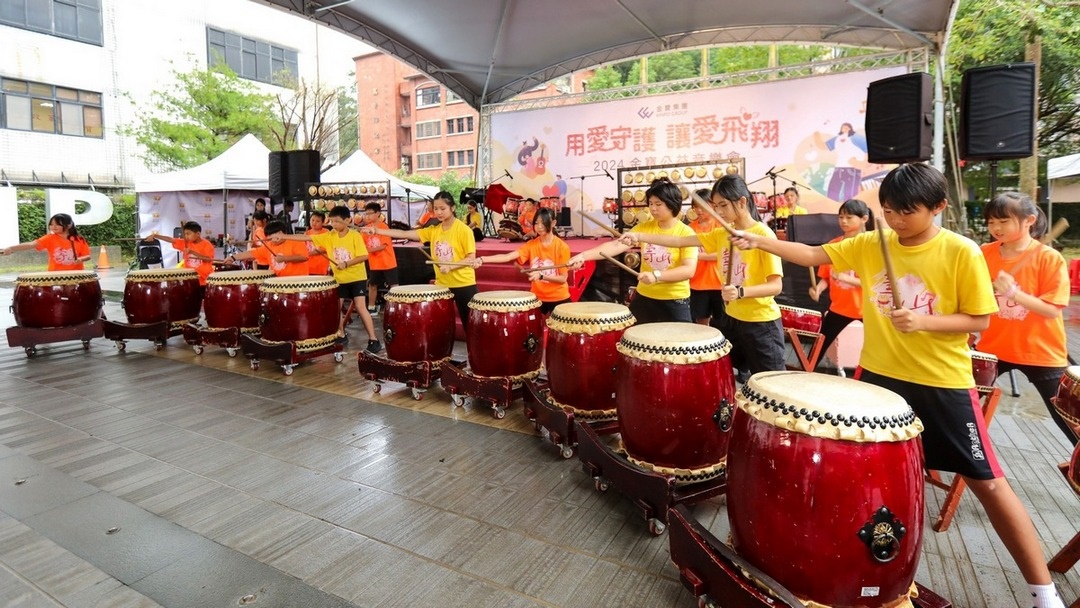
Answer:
(341, 212)
(913, 185)
(274, 227)
(260, 215)
(192, 226)
(373, 206)
(668, 193)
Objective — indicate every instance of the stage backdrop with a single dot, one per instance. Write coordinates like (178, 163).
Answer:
(162, 211)
(808, 130)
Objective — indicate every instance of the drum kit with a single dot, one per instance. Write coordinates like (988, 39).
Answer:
(56, 306)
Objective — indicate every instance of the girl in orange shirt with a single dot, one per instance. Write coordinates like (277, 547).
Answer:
(318, 264)
(1031, 285)
(66, 248)
(845, 291)
(543, 251)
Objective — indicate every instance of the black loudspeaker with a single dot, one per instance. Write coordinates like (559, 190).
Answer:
(564, 217)
(997, 112)
(277, 178)
(813, 228)
(302, 167)
(899, 119)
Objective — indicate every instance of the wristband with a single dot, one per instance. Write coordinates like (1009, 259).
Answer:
(1011, 294)
(740, 293)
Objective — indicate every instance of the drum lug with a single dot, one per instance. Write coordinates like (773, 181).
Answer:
(388, 334)
(531, 343)
(722, 416)
(882, 535)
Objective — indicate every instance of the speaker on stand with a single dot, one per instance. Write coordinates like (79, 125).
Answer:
(997, 114)
(899, 119)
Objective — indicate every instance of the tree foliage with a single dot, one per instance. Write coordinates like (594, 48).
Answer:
(198, 116)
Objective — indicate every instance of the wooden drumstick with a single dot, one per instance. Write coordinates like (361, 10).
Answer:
(813, 277)
(543, 268)
(426, 254)
(730, 262)
(614, 233)
(456, 264)
(890, 274)
(716, 216)
(619, 264)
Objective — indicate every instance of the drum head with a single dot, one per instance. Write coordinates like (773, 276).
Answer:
(590, 317)
(681, 343)
(801, 311)
(238, 277)
(504, 301)
(162, 274)
(417, 293)
(989, 357)
(827, 406)
(297, 284)
(56, 277)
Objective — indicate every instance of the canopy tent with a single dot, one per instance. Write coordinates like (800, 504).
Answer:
(1063, 181)
(359, 167)
(487, 52)
(244, 166)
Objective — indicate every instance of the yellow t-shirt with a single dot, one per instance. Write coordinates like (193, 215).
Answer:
(451, 246)
(751, 267)
(343, 249)
(945, 275)
(782, 212)
(657, 257)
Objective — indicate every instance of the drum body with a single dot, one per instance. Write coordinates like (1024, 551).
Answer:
(610, 205)
(506, 330)
(232, 299)
(551, 203)
(418, 323)
(510, 229)
(581, 357)
(1067, 401)
(303, 309)
(825, 487)
(984, 368)
(801, 319)
(510, 208)
(675, 397)
(1074, 470)
(56, 299)
(163, 294)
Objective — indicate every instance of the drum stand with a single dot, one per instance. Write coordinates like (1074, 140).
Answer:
(285, 354)
(558, 422)
(653, 493)
(30, 337)
(714, 573)
(499, 391)
(225, 337)
(159, 333)
(807, 358)
(417, 375)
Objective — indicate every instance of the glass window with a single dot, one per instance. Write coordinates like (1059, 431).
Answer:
(42, 115)
(431, 160)
(252, 58)
(15, 86)
(430, 128)
(428, 96)
(92, 123)
(75, 19)
(39, 15)
(71, 119)
(65, 19)
(17, 111)
(35, 106)
(67, 94)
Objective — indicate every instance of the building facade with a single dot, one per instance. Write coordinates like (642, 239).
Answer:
(73, 73)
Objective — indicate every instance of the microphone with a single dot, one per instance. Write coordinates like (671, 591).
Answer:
(507, 173)
(770, 171)
(608, 174)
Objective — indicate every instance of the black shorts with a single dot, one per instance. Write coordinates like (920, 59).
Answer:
(383, 278)
(706, 303)
(650, 310)
(756, 346)
(356, 289)
(954, 433)
(547, 307)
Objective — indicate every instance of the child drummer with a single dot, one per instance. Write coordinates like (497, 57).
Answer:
(198, 252)
(917, 346)
(288, 259)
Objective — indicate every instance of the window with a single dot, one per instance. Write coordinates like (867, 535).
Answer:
(430, 128)
(459, 158)
(75, 19)
(428, 96)
(463, 124)
(34, 106)
(432, 160)
(252, 59)
(452, 97)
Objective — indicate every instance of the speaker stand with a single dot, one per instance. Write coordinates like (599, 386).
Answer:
(993, 178)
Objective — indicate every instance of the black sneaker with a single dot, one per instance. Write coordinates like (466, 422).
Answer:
(373, 346)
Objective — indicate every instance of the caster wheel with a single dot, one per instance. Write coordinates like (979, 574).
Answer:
(566, 452)
(231, 352)
(30, 351)
(287, 369)
(656, 527)
(254, 365)
(339, 357)
(121, 346)
(600, 485)
(377, 388)
(86, 344)
(198, 349)
(706, 602)
(158, 345)
(417, 394)
(459, 400)
(499, 413)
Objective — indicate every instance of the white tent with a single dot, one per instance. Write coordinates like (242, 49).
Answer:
(244, 166)
(359, 167)
(1063, 181)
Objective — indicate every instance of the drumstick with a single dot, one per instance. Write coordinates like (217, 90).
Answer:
(426, 254)
(890, 274)
(438, 263)
(619, 264)
(813, 277)
(730, 262)
(614, 233)
(716, 216)
(543, 268)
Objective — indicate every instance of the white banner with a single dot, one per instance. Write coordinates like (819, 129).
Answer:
(809, 131)
(162, 212)
(9, 216)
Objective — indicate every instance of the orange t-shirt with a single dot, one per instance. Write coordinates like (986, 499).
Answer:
(534, 254)
(707, 274)
(203, 247)
(257, 234)
(63, 253)
(265, 256)
(845, 299)
(383, 259)
(1016, 334)
(317, 263)
(426, 217)
(526, 219)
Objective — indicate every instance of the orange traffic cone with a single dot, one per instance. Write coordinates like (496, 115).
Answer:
(103, 259)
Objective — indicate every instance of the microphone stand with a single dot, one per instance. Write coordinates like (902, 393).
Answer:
(581, 193)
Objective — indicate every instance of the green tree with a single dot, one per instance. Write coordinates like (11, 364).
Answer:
(198, 116)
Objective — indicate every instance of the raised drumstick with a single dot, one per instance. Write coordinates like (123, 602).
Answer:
(716, 216)
(614, 233)
(619, 264)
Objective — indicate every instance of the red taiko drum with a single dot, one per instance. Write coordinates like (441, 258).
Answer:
(551, 203)
(581, 357)
(984, 369)
(1067, 401)
(505, 333)
(610, 205)
(510, 208)
(800, 319)
(56, 299)
(675, 398)
(232, 299)
(418, 323)
(1074, 469)
(162, 294)
(303, 309)
(825, 487)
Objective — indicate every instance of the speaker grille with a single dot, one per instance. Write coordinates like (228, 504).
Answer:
(898, 119)
(997, 120)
